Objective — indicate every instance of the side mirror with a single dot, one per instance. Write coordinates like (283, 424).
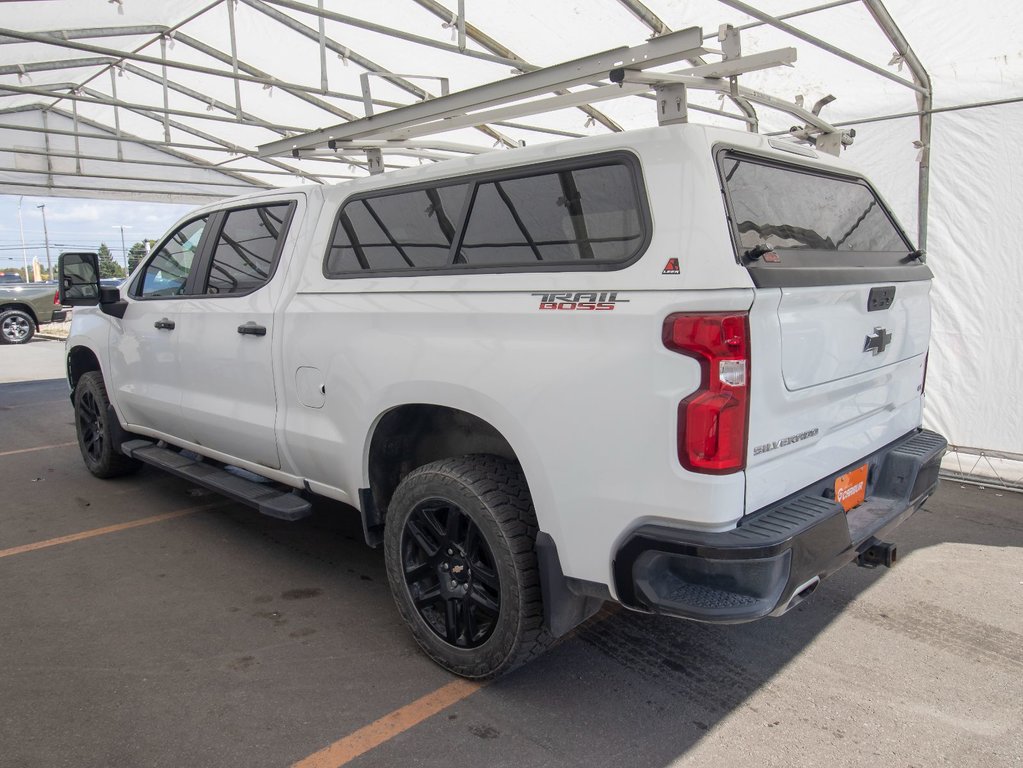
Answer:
(78, 279)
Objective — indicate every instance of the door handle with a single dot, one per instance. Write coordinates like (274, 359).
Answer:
(251, 329)
(164, 324)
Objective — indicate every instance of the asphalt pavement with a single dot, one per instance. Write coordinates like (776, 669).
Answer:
(147, 622)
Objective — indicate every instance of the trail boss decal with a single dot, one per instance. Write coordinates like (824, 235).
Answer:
(759, 449)
(584, 301)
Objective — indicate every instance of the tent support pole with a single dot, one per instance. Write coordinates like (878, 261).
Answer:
(362, 61)
(46, 144)
(480, 38)
(656, 25)
(321, 26)
(209, 101)
(461, 25)
(183, 166)
(96, 97)
(220, 145)
(508, 61)
(79, 34)
(117, 114)
(166, 92)
(234, 61)
(925, 102)
(790, 15)
(254, 75)
(120, 177)
(817, 42)
(180, 37)
(78, 148)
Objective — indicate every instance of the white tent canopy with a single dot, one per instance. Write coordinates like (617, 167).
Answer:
(170, 101)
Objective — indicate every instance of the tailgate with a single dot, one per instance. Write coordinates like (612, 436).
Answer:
(839, 325)
(831, 332)
(823, 403)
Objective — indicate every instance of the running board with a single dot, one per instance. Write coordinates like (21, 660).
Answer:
(267, 499)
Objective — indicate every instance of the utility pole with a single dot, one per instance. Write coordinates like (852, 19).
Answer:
(46, 235)
(24, 256)
(124, 251)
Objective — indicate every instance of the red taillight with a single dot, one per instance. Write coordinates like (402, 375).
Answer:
(712, 422)
(56, 298)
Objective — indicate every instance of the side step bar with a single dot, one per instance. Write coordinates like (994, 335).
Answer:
(269, 500)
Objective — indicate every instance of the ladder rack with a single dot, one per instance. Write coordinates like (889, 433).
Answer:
(613, 74)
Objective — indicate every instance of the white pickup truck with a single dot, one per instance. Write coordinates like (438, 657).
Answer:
(679, 368)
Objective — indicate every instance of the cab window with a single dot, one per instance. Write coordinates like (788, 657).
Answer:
(247, 249)
(167, 271)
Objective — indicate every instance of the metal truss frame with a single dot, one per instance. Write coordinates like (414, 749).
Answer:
(356, 140)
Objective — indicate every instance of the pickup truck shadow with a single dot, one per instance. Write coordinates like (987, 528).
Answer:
(660, 684)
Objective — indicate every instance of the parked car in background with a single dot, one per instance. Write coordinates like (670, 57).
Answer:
(26, 306)
(11, 277)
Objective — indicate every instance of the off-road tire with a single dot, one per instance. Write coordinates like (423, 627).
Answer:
(98, 432)
(492, 493)
(16, 327)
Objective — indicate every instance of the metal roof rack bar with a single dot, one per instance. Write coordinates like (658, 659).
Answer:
(662, 50)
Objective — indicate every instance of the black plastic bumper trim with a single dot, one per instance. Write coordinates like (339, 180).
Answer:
(814, 528)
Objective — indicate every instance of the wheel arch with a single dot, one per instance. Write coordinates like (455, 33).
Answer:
(412, 435)
(26, 308)
(407, 436)
(80, 360)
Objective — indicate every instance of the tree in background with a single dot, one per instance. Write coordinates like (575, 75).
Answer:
(107, 266)
(137, 252)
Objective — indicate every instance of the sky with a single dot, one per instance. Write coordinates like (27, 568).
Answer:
(79, 224)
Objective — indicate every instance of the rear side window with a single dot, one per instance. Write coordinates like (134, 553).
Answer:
(397, 231)
(584, 215)
(791, 209)
(246, 249)
(590, 215)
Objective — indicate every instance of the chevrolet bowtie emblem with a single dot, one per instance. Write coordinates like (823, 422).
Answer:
(878, 342)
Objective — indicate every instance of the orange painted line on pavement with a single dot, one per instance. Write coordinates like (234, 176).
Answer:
(387, 727)
(38, 448)
(103, 531)
(369, 737)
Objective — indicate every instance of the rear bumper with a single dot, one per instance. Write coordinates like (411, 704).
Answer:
(777, 555)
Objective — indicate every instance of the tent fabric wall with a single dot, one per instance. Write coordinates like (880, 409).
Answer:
(977, 344)
(971, 53)
(976, 175)
(33, 162)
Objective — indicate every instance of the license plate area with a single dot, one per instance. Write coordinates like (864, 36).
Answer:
(851, 488)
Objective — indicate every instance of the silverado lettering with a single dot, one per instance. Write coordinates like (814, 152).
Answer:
(757, 450)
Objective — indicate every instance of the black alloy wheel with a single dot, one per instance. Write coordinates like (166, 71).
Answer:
(460, 550)
(450, 573)
(91, 427)
(99, 434)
